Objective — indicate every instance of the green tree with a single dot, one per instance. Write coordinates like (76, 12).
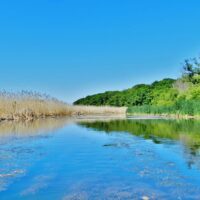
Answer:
(191, 71)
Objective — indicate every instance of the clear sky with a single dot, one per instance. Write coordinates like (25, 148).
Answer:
(72, 48)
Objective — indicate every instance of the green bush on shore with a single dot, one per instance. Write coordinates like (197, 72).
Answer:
(181, 107)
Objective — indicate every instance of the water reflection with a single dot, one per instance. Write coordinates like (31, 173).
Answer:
(32, 128)
(39, 126)
(160, 131)
(99, 159)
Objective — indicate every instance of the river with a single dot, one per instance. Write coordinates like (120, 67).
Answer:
(100, 159)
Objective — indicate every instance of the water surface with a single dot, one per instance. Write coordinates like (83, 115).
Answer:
(100, 159)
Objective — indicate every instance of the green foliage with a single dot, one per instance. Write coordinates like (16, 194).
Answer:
(164, 97)
(150, 109)
(191, 69)
(97, 100)
(193, 93)
(168, 96)
(180, 107)
(160, 92)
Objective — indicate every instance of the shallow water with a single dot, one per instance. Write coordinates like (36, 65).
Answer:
(100, 159)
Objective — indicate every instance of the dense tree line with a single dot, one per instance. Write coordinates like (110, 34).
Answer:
(136, 96)
(181, 96)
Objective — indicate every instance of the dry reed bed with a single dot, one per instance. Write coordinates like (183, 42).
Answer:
(31, 105)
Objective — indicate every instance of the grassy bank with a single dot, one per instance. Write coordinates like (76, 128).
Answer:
(181, 109)
(29, 105)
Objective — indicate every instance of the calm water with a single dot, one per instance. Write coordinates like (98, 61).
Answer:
(105, 159)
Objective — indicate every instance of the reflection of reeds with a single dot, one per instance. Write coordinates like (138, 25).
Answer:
(31, 128)
(23, 128)
(29, 105)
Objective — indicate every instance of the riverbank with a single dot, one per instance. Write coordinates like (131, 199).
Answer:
(179, 110)
(29, 106)
(31, 113)
(160, 116)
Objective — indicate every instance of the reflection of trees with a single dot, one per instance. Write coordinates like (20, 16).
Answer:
(159, 131)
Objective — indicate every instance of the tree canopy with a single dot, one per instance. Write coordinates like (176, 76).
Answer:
(136, 96)
(167, 92)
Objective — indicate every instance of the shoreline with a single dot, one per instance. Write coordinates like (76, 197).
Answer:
(138, 116)
(95, 116)
(161, 116)
(95, 113)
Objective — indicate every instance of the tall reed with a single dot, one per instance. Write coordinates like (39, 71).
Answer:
(29, 105)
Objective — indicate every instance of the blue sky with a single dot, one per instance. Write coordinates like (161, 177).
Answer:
(72, 48)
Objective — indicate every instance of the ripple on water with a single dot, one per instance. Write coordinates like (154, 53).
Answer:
(106, 163)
